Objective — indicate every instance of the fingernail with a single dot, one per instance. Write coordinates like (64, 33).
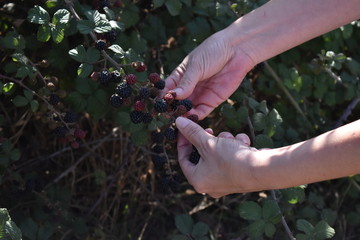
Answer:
(182, 122)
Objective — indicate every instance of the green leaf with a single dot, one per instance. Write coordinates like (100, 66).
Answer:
(61, 18)
(294, 195)
(13, 40)
(173, 6)
(57, 33)
(38, 15)
(274, 117)
(102, 26)
(13, 231)
(122, 118)
(92, 55)
(84, 70)
(20, 101)
(242, 114)
(78, 53)
(8, 87)
(200, 229)
(263, 141)
(250, 210)
(20, 57)
(117, 25)
(139, 137)
(259, 121)
(24, 71)
(269, 229)
(158, 3)
(44, 33)
(271, 211)
(257, 228)
(304, 226)
(117, 49)
(29, 228)
(15, 154)
(262, 107)
(28, 94)
(85, 26)
(179, 237)
(184, 223)
(109, 13)
(323, 231)
(34, 104)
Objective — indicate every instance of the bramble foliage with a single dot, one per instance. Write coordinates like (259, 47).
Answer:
(83, 155)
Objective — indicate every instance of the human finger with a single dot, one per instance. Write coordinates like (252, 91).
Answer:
(243, 138)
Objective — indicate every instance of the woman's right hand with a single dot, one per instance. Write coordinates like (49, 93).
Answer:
(210, 73)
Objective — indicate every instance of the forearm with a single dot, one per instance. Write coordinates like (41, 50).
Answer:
(331, 155)
(282, 24)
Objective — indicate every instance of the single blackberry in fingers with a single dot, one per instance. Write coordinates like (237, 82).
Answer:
(124, 90)
(160, 84)
(136, 117)
(193, 117)
(116, 101)
(187, 103)
(170, 133)
(160, 106)
(100, 45)
(169, 98)
(194, 156)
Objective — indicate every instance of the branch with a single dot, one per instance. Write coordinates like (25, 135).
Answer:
(347, 112)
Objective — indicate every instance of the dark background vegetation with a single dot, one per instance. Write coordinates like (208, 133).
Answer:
(108, 188)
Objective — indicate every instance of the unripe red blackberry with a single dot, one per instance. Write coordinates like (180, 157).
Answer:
(95, 76)
(100, 45)
(131, 79)
(160, 84)
(180, 110)
(79, 133)
(160, 106)
(104, 77)
(136, 117)
(154, 77)
(116, 101)
(139, 66)
(123, 90)
(139, 106)
(147, 118)
(170, 133)
(74, 144)
(116, 76)
(193, 117)
(169, 98)
(54, 99)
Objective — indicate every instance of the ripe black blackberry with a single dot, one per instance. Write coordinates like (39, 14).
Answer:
(157, 149)
(110, 36)
(70, 117)
(124, 90)
(104, 3)
(157, 137)
(61, 131)
(160, 84)
(116, 101)
(158, 161)
(170, 133)
(144, 93)
(54, 99)
(136, 117)
(194, 156)
(100, 45)
(147, 118)
(187, 103)
(115, 76)
(104, 77)
(160, 106)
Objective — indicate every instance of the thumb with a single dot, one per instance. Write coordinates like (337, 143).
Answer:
(195, 134)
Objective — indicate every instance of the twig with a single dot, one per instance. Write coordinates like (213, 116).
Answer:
(283, 221)
(347, 112)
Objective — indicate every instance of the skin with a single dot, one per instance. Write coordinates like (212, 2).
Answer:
(216, 68)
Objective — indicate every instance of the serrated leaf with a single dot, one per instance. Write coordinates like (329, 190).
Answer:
(85, 26)
(8, 87)
(34, 105)
(259, 121)
(102, 26)
(271, 211)
(323, 230)
(117, 25)
(29, 228)
(269, 229)
(20, 101)
(61, 18)
(117, 49)
(250, 210)
(13, 40)
(20, 57)
(263, 141)
(139, 137)
(173, 6)
(84, 70)
(262, 107)
(184, 223)
(38, 15)
(158, 3)
(122, 118)
(293, 195)
(24, 71)
(179, 237)
(257, 228)
(304, 226)
(109, 13)
(274, 117)
(28, 94)
(200, 229)
(15, 154)
(57, 33)
(92, 55)
(78, 53)
(43, 33)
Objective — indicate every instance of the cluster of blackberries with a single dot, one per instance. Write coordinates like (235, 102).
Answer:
(71, 136)
(105, 40)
